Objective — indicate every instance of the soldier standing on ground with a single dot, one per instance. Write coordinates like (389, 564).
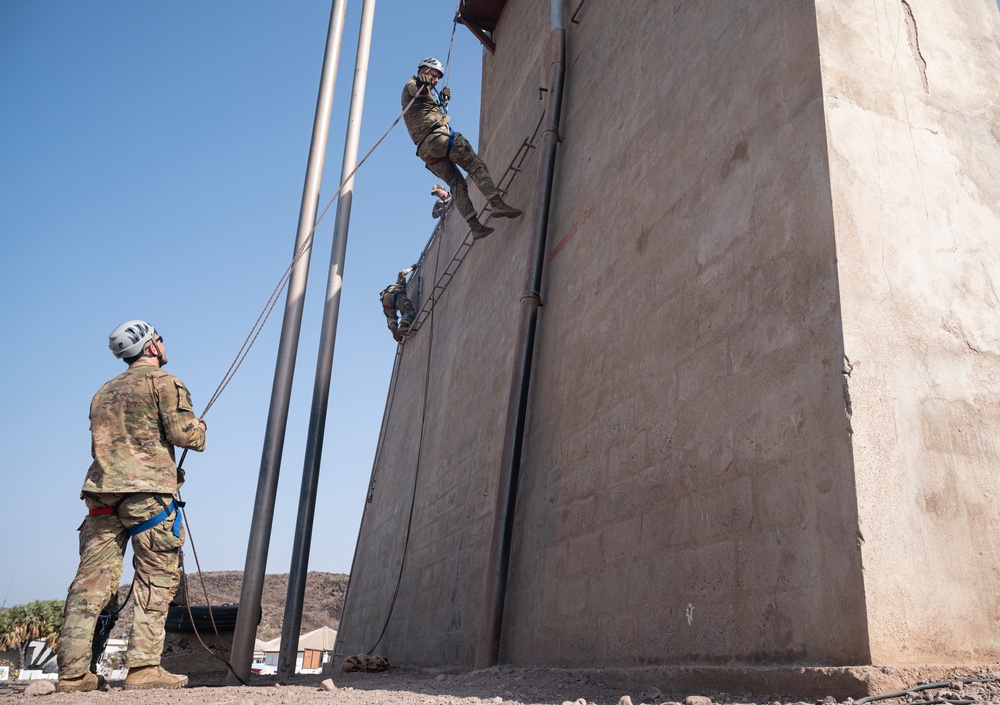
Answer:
(394, 300)
(441, 148)
(135, 421)
(443, 204)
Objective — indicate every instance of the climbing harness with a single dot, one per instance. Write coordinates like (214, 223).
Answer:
(168, 510)
(451, 143)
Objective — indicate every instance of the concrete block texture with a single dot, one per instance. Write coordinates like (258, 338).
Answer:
(761, 425)
(912, 103)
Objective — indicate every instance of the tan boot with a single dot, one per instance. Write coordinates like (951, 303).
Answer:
(81, 684)
(478, 229)
(150, 677)
(501, 209)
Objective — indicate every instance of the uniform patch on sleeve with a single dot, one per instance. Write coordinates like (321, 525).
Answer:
(183, 397)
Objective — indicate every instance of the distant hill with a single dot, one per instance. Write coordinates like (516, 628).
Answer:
(322, 606)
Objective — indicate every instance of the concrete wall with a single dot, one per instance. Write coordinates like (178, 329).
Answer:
(688, 487)
(687, 493)
(912, 94)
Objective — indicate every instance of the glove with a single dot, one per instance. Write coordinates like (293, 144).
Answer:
(445, 95)
(423, 79)
(413, 266)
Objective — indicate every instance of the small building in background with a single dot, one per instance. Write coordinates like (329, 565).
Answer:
(315, 649)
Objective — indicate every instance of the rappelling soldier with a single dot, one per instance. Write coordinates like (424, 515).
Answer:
(443, 204)
(136, 419)
(441, 148)
(395, 301)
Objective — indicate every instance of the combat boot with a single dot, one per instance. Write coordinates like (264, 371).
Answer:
(81, 684)
(478, 229)
(501, 209)
(150, 677)
(394, 329)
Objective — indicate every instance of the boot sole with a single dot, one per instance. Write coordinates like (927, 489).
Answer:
(501, 214)
(155, 686)
(81, 687)
(75, 690)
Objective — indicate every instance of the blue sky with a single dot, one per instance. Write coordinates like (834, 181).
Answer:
(153, 161)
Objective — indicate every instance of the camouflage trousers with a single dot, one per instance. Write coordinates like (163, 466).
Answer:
(434, 152)
(103, 540)
(393, 302)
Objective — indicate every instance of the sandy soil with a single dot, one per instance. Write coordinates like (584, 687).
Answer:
(397, 686)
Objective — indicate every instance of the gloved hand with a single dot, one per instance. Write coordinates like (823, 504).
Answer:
(413, 266)
(424, 79)
(445, 95)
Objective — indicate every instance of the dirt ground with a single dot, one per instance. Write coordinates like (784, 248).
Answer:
(495, 686)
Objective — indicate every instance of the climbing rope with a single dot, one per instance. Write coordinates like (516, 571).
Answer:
(451, 47)
(204, 589)
(416, 474)
(238, 361)
(926, 686)
(286, 276)
(426, 313)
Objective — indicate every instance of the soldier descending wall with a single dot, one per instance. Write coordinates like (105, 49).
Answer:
(763, 399)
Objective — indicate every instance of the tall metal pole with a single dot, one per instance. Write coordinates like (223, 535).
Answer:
(248, 615)
(292, 622)
(495, 580)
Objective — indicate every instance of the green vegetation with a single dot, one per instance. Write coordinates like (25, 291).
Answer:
(22, 624)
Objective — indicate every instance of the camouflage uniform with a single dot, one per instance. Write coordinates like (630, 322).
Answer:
(135, 420)
(441, 207)
(394, 299)
(441, 148)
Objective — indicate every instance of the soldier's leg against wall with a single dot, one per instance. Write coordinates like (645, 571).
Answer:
(157, 574)
(405, 307)
(466, 157)
(102, 545)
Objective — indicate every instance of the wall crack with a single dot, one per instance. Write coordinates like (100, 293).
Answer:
(913, 38)
(845, 381)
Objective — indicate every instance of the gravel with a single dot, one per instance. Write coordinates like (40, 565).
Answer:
(501, 685)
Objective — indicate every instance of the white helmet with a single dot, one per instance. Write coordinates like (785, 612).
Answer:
(431, 63)
(128, 339)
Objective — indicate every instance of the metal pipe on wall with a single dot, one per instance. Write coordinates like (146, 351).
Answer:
(248, 615)
(494, 586)
(292, 621)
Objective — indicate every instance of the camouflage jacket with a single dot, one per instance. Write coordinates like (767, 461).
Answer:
(135, 421)
(395, 289)
(425, 114)
(441, 207)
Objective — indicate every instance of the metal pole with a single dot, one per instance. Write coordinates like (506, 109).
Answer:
(495, 581)
(292, 622)
(248, 615)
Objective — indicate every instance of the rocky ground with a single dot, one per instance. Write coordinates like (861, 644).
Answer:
(494, 686)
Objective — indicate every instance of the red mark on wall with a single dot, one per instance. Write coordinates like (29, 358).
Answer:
(587, 214)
